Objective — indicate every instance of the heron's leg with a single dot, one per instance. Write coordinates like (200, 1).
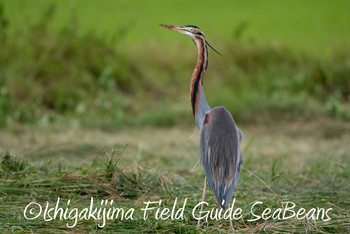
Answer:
(231, 226)
(203, 198)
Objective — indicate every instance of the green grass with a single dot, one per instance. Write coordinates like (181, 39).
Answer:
(313, 26)
(55, 73)
(308, 169)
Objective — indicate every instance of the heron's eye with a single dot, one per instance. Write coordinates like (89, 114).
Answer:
(191, 29)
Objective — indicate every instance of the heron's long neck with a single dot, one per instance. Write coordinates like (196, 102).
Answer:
(200, 106)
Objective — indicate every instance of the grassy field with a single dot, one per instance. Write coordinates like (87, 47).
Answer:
(303, 162)
(94, 102)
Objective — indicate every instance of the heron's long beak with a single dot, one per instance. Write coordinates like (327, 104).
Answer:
(173, 27)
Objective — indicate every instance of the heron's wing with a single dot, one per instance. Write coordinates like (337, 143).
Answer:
(241, 136)
(220, 154)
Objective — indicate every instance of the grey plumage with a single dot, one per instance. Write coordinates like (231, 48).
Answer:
(220, 153)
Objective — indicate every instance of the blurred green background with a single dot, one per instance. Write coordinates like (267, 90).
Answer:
(108, 63)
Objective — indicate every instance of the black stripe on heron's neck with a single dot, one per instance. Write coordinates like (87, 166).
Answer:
(202, 63)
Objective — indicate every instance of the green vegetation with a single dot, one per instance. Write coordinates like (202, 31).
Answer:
(50, 75)
(94, 102)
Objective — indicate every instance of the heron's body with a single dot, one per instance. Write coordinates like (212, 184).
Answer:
(219, 149)
(220, 138)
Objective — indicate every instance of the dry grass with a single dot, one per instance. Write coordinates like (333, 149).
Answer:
(303, 162)
(297, 141)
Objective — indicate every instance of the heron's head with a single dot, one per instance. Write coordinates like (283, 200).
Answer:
(189, 30)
